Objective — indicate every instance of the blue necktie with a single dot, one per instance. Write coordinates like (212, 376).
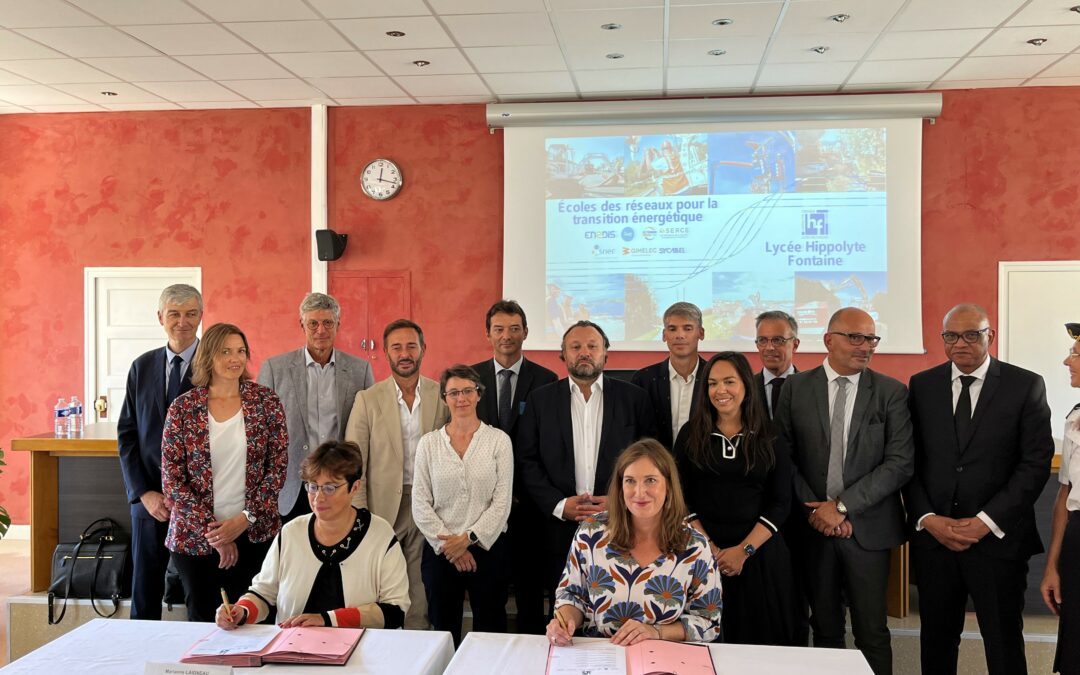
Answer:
(173, 390)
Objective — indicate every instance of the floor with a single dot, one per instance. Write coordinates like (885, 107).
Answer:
(14, 580)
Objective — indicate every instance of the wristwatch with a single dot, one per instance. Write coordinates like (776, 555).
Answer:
(749, 550)
(840, 508)
(250, 518)
(473, 539)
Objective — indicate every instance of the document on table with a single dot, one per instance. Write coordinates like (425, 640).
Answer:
(243, 640)
(587, 658)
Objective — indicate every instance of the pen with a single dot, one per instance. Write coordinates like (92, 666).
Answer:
(225, 602)
(562, 622)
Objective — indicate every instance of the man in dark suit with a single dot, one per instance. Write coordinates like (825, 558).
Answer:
(508, 379)
(155, 379)
(673, 385)
(983, 447)
(569, 437)
(850, 434)
(777, 341)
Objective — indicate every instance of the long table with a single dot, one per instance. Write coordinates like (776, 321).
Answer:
(527, 655)
(121, 647)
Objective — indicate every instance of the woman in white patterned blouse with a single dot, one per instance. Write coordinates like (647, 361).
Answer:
(462, 483)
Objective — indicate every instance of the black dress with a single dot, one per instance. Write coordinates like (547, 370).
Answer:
(759, 604)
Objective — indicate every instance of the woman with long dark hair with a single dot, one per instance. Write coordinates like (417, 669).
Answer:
(737, 482)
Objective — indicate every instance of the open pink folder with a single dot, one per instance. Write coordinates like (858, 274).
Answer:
(659, 657)
(315, 645)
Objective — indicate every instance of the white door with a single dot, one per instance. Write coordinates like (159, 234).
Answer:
(121, 323)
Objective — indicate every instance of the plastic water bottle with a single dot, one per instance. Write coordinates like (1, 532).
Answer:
(60, 411)
(75, 418)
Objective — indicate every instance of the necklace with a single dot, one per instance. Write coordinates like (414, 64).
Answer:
(728, 446)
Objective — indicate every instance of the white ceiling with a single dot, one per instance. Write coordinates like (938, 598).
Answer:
(61, 55)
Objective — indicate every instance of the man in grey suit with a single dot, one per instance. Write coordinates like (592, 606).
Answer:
(317, 384)
(850, 435)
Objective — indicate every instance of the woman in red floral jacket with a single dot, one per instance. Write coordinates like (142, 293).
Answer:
(223, 460)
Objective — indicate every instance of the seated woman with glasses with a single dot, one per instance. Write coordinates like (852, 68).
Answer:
(462, 485)
(338, 566)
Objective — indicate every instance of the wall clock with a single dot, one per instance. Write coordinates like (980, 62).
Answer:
(381, 179)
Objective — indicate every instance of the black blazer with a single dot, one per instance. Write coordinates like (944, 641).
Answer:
(142, 421)
(544, 446)
(532, 376)
(1001, 469)
(759, 381)
(656, 381)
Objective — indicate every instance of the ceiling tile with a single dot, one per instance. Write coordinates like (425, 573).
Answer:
(73, 108)
(125, 93)
(533, 58)
(1013, 41)
(889, 86)
(11, 78)
(1053, 82)
(798, 48)
(749, 20)
(327, 64)
(494, 30)
(261, 90)
(357, 87)
(294, 103)
(421, 32)
(999, 67)
(927, 44)
(400, 100)
(557, 82)
(190, 38)
(929, 14)
(798, 89)
(35, 94)
(739, 51)
(90, 41)
(161, 105)
(607, 81)
(976, 84)
(291, 36)
(55, 71)
(452, 100)
(400, 62)
(619, 95)
(813, 16)
(583, 27)
(198, 90)
(15, 46)
(145, 69)
(553, 97)
(486, 6)
(12, 109)
(804, 74)
(909, 70)
(603, 4)
(1045, 13)
(713, 91)
(132, 12)
(217, 105)
(348, 9)
(42, 13)
(701, 77)
(446, 85)
(255, 10)
(594, 57)
(235, 66)
(1066, 67)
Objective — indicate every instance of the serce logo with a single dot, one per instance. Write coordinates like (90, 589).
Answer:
(628, 234)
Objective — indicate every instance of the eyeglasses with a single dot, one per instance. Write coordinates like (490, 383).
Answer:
(858, 338)
(774, 341)
(970, 336)
(453, 394)
(1074, 330)
(328, 489)
(314, 325)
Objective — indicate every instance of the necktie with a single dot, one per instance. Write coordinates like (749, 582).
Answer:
(775, 397)
(962, 416)
(173, 389)
(834, 481)
(505, 399)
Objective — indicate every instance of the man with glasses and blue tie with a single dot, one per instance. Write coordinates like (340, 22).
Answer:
(777, 341)
(850, 434)
(983, 447)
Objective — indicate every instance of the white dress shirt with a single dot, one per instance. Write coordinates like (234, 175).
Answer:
(410, 431)
(767, 377)
(587, 418)
(1070, 459)
(322, 408)
(852, 390)
(516, 369)
(185, 361)
(228, 464)
(682, 393)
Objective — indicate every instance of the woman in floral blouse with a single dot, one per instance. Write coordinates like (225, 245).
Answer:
(223, 459)
(639, 572)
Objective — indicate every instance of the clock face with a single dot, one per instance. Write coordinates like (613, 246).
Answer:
(381, 179)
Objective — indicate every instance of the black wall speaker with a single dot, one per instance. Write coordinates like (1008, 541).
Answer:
(331, 244)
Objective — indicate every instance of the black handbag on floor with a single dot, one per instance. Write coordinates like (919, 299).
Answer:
(94, 567)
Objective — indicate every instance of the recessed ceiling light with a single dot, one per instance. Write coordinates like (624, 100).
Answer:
(716, 52)
(839, 18)
(421, 63)
(820, 49)
(723, 22)
(611, 26)
(108, 93)
(614, 55)
(395, 33)
(1037, 42)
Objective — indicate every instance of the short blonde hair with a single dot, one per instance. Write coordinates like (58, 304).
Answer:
(673, 535)
(202, 366)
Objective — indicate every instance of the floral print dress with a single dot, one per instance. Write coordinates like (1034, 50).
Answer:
(610, 587)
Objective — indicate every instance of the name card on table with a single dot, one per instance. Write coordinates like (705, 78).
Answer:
(186, 669)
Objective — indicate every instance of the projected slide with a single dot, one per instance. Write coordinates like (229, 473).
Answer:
(737, 222)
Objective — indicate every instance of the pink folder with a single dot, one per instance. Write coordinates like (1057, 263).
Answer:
(659, 657)
(314, 645)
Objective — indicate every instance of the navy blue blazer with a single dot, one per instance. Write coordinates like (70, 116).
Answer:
(142, 422)
(532, 376)
(656, 381)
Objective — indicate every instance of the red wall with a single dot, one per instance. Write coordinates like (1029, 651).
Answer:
(229, 191)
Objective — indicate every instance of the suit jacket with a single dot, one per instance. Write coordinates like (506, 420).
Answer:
(532, 376)
(141, 422)
(879, 458)
(189, 477)
(375, 425)
(287, 375)
(759, 381)
(656, 381)
(544, 448)
(1000, 470)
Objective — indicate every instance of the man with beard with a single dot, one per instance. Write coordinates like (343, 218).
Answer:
(387, 421)
(569, 437)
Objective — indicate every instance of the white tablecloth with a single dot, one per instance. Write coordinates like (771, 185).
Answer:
(122, 647)
(527, 655)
